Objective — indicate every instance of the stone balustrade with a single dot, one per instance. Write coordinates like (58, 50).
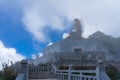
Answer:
(97, 74)
(50, 71)
(40, 68)
(77, 75)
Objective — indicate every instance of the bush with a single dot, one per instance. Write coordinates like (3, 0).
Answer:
(8, 72)
(1, 78)
(112, 72)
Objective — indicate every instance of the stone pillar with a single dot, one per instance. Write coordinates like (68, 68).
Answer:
(54, 69)
(99, 69)
(100, 65)
(25, 68)
(69, 72)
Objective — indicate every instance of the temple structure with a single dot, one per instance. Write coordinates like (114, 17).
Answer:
(74, 50)
(63, 60)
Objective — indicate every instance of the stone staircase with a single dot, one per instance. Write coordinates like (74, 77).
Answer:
(43, 79)
(41, 75)
(20, 76)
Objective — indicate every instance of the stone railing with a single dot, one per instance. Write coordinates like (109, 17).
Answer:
(97, 74)
(40, 68)
(39, 72)
(77, 75)
(50, 71)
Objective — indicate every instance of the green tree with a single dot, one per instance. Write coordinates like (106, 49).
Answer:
(8, 72)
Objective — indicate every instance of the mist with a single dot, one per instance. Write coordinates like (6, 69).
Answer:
(38, 15)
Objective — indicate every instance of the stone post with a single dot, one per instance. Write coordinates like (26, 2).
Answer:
(27, 72)
(69, 72)
(100, 68)
(25, 68)
(54, 69)
(100, 64)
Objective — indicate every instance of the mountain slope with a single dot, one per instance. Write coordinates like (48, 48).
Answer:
(113, 44)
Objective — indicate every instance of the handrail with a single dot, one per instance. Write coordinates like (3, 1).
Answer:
(79, 71)
(70, 74)
(104, 76)
(20, 76)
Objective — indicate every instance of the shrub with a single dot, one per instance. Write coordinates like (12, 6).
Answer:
(112, 72)
(8, 72)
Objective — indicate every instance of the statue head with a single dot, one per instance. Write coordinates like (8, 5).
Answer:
(77, 31)
(77, 25)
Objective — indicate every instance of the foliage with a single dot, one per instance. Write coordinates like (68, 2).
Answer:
(0, 74)
(1, 78)
(112, 72)
(8, 72)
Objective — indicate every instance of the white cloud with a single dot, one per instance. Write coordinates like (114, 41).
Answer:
(65, 35)
(9, 54)
(38, 16)
(34, 56)
(50, 43)
(103, 15)
(40, 54)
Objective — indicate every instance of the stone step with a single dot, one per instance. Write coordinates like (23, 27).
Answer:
(42, 79)
(38, 75)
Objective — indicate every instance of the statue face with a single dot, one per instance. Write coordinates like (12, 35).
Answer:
(76, 22)
(77, 25)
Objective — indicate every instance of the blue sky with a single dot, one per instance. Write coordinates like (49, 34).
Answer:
(13, 34)
(28, 26)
